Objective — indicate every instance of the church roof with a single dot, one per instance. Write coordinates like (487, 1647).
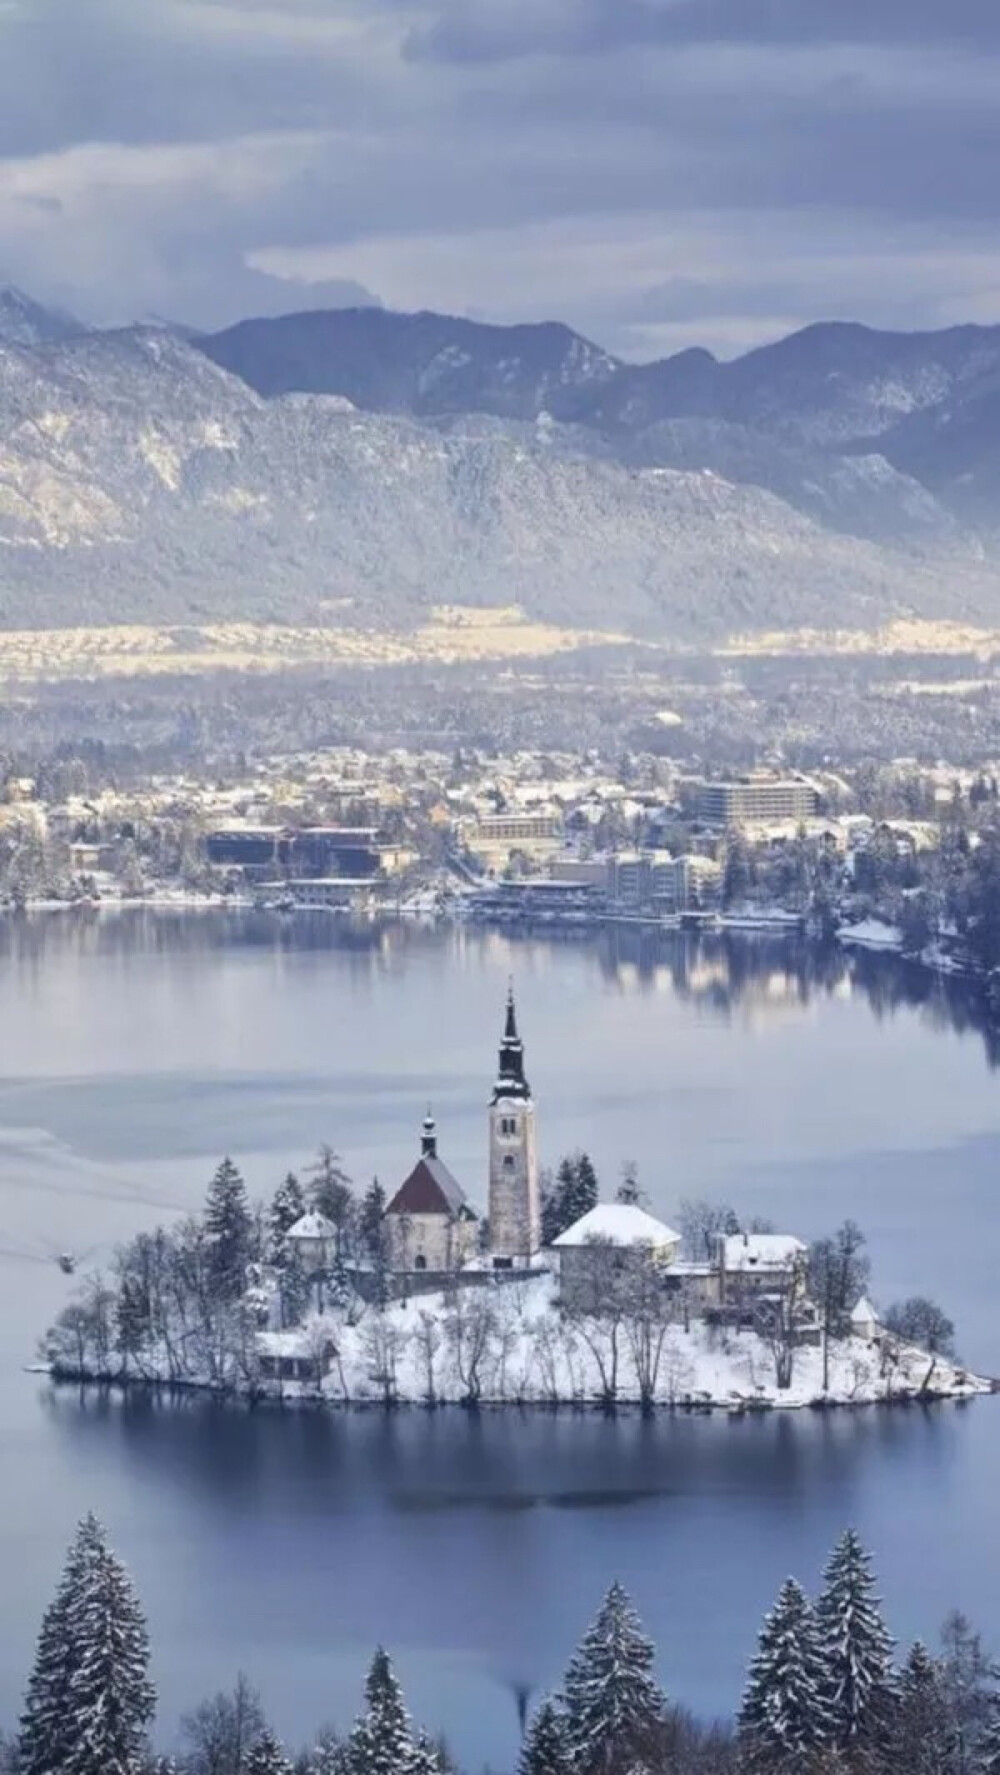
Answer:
(511, 1080)
(312, 1226)
(430, 1189)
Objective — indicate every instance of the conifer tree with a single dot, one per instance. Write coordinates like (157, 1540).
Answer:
(784, 1716)
(111, 1699)
(545, 1751)
(854, 1644)
(287, 1206)
(266, 1756)
(89, 1699)
(228, 1226)
(382, 1742)
(44, 1740)
(921, 1739)
(426, 1758)
(987, 1760)
(612, 1704)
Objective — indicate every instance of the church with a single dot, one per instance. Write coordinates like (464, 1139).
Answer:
(430, 1224)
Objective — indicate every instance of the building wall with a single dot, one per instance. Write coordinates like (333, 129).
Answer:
(429, 1241)
(515, 1206)
(735, 803)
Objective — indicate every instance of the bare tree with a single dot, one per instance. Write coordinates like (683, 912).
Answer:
(470, 1327)
(650, 1311)
(219, 1733)
(428, 1339)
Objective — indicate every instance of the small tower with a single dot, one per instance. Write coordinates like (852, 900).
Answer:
(515, 1210)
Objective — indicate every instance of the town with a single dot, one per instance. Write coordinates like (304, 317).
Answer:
(554, 1297)
(903, 857)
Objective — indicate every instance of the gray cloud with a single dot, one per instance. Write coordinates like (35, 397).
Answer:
(619, 163)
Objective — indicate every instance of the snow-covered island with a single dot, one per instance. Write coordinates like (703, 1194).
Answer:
(556, 1299)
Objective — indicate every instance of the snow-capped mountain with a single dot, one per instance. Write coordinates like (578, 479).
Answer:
(139, 480)
(25, 322)
(834, 390)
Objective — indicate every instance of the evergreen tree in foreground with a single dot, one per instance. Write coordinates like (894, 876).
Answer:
(544, 1751)
(854, 1645)
(784, 1716)
(266, 1757)
(382, 1742)
(44, 1739)
(988, 1750)
(228, 1228)
(90, 1701)
(612, 1704)
(921, 1739)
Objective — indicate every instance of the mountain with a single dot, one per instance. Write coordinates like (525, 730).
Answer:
(25, 322)
(412, 363)
(139, 481)
(796, 417)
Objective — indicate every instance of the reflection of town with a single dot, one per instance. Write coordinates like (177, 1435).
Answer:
(752, 977)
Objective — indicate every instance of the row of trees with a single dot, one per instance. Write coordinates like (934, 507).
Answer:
(823, 1696)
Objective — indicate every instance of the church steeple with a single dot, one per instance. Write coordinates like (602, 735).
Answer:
(511, 1081)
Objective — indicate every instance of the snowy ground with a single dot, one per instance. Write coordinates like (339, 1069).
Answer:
(510, 1345)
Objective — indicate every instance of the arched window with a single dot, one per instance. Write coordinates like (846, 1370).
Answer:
(420, 1261)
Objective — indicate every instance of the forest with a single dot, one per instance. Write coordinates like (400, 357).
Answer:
(825, 1693)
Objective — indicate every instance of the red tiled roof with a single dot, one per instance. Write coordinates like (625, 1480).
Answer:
(430, 1189)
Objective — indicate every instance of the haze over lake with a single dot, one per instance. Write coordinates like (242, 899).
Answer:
(136, 1050)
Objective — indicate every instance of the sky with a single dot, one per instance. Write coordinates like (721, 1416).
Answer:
(657, 173)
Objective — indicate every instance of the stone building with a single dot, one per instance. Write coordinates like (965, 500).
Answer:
(429, 1223)
(314, 1239)
(514, 1196)
(616, 1246)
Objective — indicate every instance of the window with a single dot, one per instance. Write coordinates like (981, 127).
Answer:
(420, 1261)
(508, 1161)
(508, 1125)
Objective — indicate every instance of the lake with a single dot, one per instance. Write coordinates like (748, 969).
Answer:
(135, 1049)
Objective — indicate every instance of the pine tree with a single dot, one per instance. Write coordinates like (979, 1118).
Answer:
(381, 1742)
(426, 1758)
(987, 1760)
(545, 1751)
(854, 1644)
(784, 1716)
(228, 1226)
(111, 1699)
(44, 1740)
(287, 1206)
(921, 1739)
(266, 1756)
(612, 1704)
(294, 1291)
(586, 1186)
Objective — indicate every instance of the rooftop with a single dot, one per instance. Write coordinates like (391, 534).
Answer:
(619, 1223)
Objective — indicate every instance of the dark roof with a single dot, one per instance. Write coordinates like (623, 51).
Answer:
(430, 1189)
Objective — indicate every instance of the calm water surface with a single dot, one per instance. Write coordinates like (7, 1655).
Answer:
(134, 1051)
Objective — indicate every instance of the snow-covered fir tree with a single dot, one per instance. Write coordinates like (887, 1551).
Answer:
(90, 1701)
(613, 1706)
(921, 1738)
(111, 1699)
(45, 1732)
(854, 1644)
(987, 1757)
(545, 1751)
(426, 1757)
(784, 1716)
(382, 1741)
(228, 1228)
(288, 1205)
(266, 1756)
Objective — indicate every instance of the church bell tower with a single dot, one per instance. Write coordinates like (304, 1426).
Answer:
(515, 1209)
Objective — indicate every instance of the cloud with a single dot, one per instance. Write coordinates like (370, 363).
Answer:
(644, 168)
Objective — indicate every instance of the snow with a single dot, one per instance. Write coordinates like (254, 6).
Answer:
(864, 1313)
(620, 1223)
(312, 1226)
(762, 1251)
(871, 933)
(536, 1356)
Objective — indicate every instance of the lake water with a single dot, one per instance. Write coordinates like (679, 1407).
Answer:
(135, 1050)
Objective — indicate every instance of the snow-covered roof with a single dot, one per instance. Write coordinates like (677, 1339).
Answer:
(312, 1226)
(620, 1223)
(864, 1313)
(761, 1251)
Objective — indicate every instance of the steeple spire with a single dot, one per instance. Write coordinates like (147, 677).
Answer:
(511, 1081)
